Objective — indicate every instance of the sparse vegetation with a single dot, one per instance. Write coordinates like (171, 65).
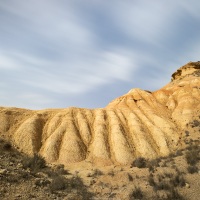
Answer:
(35, 163)
(165, 184)
(130, 178)
(192, 169)
(195, 123)
(152, 164)
(179, 153)
(192, 156)
(97, 172)
(111, 173)
(58, 183)
(60, 169)
(139, 162)
(177, 180)
(7, 146)
(173, 194)
(136, 194)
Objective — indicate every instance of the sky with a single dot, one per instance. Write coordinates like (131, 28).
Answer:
(85, 53)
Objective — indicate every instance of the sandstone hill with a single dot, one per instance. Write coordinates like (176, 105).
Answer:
(138, 124)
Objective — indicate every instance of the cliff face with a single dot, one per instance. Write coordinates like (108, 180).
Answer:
(139, 123)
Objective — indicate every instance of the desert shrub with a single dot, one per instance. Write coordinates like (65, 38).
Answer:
(168, 175)
(179, 153)
(130, 178)
(12, 179)
(192, 156)
(187, 133)
(162, 185)
(58, 183)
(111, 173)
(61, 170)
(77, 183)
(24, 174)
(174, 195)
(7, 146)
(192, 169)
(42, 182)
(171, 156)
(97, 172)
(152, 164)
(151, 181)
(136, 194)
(195, 123)
(193, 147)
(139, 162)
(35, 163)
(177, 180)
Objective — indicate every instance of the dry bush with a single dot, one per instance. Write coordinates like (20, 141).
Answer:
(97, 172)
(111, 173)
(77, 183)
(136, 194)
(151, 181)
(59, 169)
(152, 164)
(195, 123)
(5, 145)
(139, 162)
(192, 169)
(35, 163)
(174, 195)
(179, 153)
(192, 155)
(58, 183)
(177, 180)
(166, 181)
(130, 178)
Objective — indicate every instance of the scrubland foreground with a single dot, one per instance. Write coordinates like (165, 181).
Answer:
(175, 177)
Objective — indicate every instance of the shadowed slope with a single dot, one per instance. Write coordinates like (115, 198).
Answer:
(139, 123)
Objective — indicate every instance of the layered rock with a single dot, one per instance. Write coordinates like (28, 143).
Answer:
(139, 123)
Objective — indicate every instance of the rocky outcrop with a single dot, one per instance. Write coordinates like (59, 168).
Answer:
(139, 123)
(191, 68)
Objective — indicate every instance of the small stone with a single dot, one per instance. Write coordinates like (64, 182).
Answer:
(187, 185)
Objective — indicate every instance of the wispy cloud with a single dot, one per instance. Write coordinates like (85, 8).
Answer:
(51, 50)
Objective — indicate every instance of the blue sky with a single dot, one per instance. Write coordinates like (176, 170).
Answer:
(62, 53)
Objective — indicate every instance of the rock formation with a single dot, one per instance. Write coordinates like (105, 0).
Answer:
(139, 123)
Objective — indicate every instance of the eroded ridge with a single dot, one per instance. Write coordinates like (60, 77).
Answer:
(139, 123)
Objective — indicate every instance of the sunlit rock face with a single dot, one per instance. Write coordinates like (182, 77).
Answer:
(139, 123)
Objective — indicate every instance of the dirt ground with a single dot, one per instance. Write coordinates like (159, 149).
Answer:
(174, 177)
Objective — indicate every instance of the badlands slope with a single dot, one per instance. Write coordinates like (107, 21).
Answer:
(139, 123)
